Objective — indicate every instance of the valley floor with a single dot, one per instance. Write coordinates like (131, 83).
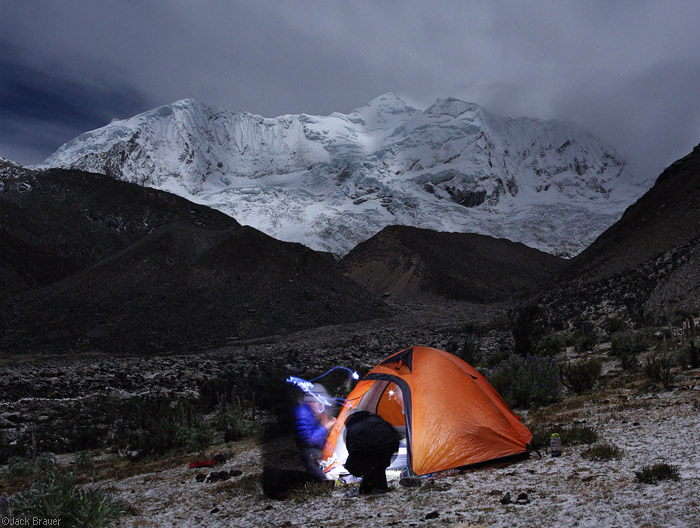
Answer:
(649, 427)
(564, 491)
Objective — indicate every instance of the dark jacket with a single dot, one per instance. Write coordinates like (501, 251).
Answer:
(309, 432)
(367, 432)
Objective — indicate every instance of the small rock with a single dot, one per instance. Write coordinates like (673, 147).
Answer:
(522, 499)
(410, 482)
(495, 493)
(506, 499)
(432, 515)
(215, 510)
(200, 478)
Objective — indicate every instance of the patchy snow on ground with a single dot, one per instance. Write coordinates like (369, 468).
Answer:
(565, 491)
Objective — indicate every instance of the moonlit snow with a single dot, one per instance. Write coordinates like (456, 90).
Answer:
(331, 182)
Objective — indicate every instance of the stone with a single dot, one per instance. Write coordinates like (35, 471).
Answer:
(432, 515)
(522, 499)
(506, 499)
(410, 482)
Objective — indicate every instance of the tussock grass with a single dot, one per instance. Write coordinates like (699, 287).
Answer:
(602, 452)
(656, 473)
(57, 497)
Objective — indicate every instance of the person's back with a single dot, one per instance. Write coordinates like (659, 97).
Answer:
(371, 441)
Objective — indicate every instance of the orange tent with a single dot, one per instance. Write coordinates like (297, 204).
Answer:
(452, 415)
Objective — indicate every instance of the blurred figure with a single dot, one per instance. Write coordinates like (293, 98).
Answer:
(313, 422)
(371, 441)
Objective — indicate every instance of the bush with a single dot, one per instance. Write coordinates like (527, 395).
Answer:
(586, 342)
(155, 426)
(235, 423)
(471, 347)
(626, 347)
(580, 377)
(578, 434)
(571, 435)
(527, 330)
(551, 345)
(18, 468)
(615, 324)
(84, 460)
(526, 382)
(602, 452)
(688, 357)
(626, 344)
(656, 473)
(56, 497)
(658, 369)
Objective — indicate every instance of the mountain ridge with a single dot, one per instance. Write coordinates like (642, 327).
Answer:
(333, 181)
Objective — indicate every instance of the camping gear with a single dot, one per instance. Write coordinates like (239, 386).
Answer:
(451, 416)
(555, 445)
(218, 459)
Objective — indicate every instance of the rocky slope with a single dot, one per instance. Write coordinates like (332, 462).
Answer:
(331, 182)
(98, 265)
(408, 262)
(649, 261)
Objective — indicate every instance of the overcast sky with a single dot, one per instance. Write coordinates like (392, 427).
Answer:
(627, 71)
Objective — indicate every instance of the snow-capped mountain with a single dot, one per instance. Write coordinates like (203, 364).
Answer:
(333, 181)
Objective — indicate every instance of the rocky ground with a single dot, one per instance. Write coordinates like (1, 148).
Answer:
(649, 426)
(50, 394)
(566, 491)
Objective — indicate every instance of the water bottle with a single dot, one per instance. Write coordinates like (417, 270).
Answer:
(555, 445)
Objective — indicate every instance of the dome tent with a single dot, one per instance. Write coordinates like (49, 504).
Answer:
(452, 415)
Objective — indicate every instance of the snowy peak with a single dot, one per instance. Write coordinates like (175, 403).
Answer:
(333, 181)
(453, 107)
(385, 111)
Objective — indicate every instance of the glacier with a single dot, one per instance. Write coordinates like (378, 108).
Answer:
(330, 182)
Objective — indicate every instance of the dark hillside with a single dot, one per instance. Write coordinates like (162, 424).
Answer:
(407, 261)
(109, 266)
(648, 263)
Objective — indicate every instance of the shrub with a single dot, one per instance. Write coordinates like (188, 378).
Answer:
(235, 423)
(471, 347)
(626, 347)
(615, 324)
(571, 435)
(602, 452)
(84, 460)
(578, 434)
(56, 497)
(658, 369)
(527, 330)
(497, 357)
(626, 344)
(526, 382)
(586, 342)
(30, 467)
(689, 356)
(656, 473)
(580, 377)
(154, 426)
(551, 345)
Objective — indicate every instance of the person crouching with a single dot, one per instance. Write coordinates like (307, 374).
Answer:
(371, 441)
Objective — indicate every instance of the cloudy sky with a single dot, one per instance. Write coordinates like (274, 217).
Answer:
(627, 71)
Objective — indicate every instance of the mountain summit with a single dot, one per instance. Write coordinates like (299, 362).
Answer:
(333, 181)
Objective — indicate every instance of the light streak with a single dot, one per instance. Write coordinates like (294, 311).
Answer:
(308, 385)
(354, 374)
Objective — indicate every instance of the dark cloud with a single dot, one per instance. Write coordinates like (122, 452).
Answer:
(626, 70)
